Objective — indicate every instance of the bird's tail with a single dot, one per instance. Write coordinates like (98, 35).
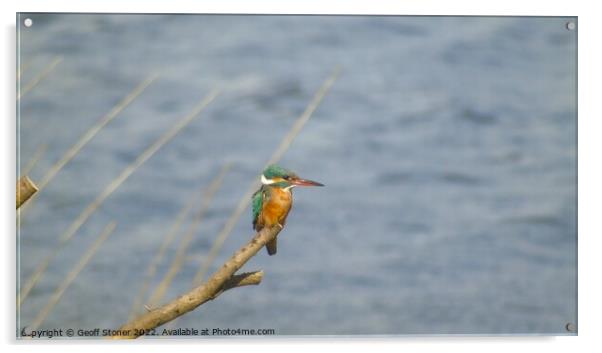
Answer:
(271, 246)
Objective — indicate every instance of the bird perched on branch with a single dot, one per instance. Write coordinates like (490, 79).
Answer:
(274, 199)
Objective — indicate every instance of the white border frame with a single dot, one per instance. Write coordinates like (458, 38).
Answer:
(589, 169)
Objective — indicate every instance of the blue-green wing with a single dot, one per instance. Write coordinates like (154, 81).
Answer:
(257, 202)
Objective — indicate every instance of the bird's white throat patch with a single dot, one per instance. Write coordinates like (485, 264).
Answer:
(266, 181)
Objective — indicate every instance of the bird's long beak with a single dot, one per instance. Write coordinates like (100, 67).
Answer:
(306, 182)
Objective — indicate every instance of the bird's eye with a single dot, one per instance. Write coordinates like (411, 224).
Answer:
(286, 177)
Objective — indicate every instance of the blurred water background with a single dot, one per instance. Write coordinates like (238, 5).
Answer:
(447, 146)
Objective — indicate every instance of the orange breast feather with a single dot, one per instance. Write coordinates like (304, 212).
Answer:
(277, 207)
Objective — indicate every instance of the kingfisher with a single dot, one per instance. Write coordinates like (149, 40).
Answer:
(274, 199)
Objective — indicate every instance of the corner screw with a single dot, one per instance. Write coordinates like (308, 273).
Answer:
(570, 25)
(570, 327)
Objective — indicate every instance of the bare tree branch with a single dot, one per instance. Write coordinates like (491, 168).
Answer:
(25, 189)
(221, 280)
(244, 279)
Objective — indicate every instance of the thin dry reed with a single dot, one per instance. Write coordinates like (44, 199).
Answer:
(125, 174)
(206, 199)
(276, 156)
(107, 118)
(37, 155)
(92, 131)
(22, 68)
(178, 261)
(156, 261)
(41, 76)
(71, 276)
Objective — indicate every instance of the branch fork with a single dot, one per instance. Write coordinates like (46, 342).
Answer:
(222, 280)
